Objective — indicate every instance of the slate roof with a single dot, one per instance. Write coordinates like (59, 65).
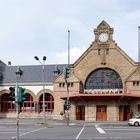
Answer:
(31, 73)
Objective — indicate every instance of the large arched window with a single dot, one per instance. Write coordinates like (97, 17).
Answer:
(28, 105)
(49, 102)
(103, 78)
(5, 104)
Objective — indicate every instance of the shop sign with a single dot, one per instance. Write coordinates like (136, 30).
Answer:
(98, 91)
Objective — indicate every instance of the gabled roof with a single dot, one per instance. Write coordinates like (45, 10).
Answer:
(103, 24)
(134, 75)
(31, 73)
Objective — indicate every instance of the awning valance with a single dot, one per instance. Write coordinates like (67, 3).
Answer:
(89, 96)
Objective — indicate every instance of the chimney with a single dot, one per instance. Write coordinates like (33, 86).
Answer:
(9, 63)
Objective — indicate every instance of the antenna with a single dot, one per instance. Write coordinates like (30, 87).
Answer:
(68, 47)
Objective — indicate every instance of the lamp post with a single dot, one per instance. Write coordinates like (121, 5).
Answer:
(43, 80)
(18, 74)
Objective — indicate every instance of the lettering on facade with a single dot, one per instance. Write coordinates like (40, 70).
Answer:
(102, 91)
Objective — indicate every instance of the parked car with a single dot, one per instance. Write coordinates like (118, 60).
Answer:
(134, 121)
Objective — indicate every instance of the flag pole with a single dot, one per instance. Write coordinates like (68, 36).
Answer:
(138, 45)
(68, 47)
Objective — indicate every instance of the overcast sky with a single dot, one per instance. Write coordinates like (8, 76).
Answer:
(40, 27)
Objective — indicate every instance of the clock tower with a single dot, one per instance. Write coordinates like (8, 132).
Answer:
(103, 39)
(103, 33)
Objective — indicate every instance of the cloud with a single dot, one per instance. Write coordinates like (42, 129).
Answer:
(75, 53)
(33, 27)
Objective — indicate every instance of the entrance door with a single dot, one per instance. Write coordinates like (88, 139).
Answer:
(80, 112)
(124, 112)
(101, 112)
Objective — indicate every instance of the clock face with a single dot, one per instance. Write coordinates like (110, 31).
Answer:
(103, 37)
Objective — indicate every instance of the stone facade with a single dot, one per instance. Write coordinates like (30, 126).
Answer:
(100, 54)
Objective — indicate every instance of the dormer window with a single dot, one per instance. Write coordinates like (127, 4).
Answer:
(56, 71)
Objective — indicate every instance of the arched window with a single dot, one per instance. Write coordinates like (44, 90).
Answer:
(28, 105)
(103, 78)
(49, 102)
(6, 104)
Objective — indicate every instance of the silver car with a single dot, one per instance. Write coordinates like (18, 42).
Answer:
(134, 121)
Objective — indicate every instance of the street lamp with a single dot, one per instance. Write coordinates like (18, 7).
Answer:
(43, 80)
(18, 74)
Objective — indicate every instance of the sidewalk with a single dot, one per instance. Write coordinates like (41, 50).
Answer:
(101, 123)
(38, 121)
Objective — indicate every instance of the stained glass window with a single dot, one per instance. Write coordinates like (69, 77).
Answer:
(103, 78)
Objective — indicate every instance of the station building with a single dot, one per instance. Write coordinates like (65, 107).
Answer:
(103, 84)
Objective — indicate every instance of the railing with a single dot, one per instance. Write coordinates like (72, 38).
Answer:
(103, 91)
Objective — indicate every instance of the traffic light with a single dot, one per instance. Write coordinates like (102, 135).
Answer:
(66, 72)
(67, 105)
(12, 94)
(21, 94)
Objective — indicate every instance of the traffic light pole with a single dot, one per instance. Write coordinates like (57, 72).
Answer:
(17, 111)
(18, 74)
(67, 102)
(67, 73)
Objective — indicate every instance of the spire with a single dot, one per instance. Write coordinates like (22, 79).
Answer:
(103, 25)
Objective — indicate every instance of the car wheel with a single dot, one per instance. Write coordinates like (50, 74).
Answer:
(136, 124)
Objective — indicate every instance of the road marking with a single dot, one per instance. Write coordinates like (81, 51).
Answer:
(100, 130)
(13, 129)
(7, 132)
(100, 138)
(115, 138)
(80, 132)
(29, 132)
(72, 124)
(118, 129)
(136, 133)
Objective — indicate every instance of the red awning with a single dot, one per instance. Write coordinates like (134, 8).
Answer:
(72, 96)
